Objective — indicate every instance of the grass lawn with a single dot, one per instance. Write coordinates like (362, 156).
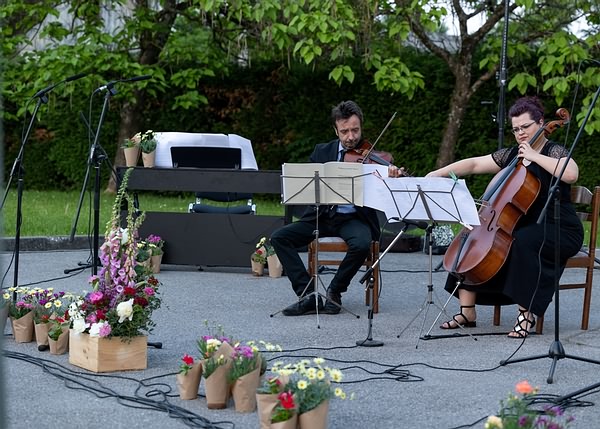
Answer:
(53, 213)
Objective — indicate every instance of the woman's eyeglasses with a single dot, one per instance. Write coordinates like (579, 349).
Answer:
(517, 130)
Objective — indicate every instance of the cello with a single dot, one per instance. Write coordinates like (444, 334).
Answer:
(476, 255)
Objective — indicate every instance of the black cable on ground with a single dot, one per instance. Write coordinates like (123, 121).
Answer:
(143, 391)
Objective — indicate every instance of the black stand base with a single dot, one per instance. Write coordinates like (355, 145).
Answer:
(571, 395)
(369, 343)
(555, 353)
(81, 266)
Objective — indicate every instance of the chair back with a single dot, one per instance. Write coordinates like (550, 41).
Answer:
(587, 204)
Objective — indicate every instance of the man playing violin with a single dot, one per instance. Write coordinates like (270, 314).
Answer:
(527, 276)
(357, 226)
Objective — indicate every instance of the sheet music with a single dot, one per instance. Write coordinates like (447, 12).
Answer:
(443, 199)
(338, 183)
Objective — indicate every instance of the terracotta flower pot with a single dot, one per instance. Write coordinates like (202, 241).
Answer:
(244, 391)
(23, 328)
(60, 346)
(288, 424)
(148, 159)
(155, 261)
(188, 384)
(131, 155)
(41, 333)
(275, 267)
(266, 403)
(258, 268)
(315, 418)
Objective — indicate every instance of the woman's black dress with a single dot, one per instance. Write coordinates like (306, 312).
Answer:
(527, 276)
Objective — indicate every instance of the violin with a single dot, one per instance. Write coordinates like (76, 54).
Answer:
(365, 154)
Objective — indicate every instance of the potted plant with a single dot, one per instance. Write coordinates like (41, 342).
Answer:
(21, 314)
(244, 376)
(284, 414)
(109, 323)
(311, 384)
(58, 334)
(155, 247)
(148, 145)
(46, 303)
(258, 258)
(519, 412)
(188, 377)
(131, 149)
(215, 350)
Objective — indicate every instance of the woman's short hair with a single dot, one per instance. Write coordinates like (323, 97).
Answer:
(531, 105)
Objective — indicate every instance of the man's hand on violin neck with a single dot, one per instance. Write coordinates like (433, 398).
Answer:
(394, 171)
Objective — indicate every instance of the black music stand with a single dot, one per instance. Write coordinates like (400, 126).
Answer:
(426, 201)
(556, 350)
(304, 184)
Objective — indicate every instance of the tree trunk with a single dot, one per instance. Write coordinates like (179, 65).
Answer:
(131, 122)
(461, 95)
(151, 46)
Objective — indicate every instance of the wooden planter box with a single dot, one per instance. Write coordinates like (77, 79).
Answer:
(107, 354)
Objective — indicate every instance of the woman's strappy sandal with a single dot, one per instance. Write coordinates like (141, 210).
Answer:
(460, 319)
(523, 326)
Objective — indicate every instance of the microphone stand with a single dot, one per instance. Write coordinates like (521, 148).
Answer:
(501, 116)
(20, 173)
(96, 158)
(82, 265)
(557, 350)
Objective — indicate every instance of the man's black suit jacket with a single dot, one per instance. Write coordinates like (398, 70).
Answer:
(326, 152)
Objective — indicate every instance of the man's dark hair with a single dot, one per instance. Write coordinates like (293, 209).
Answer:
(531, 105)
(346, 109)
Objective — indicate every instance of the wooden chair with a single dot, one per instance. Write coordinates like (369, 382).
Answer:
(580, 195)
(337, 245)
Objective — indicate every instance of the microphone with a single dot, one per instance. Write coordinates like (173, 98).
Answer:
(51, 87)
(112, 83)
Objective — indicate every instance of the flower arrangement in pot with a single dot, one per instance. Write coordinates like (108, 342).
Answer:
(215, 350)
(311, 383)
(148, 145)
(518, 412)
(123, 295)
(155, 247)
(188, 377)
(21, 314)
(258, 258)
(47, 304)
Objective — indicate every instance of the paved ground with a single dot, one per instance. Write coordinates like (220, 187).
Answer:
(407, 383)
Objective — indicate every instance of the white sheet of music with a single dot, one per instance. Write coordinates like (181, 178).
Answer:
(418, 198)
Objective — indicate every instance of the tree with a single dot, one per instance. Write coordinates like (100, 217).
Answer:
(319, 30)
(180, 42)
(539, 28)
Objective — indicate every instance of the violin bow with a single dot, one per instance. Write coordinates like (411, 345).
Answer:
(380, 134)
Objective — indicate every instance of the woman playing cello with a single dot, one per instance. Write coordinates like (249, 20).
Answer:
(527, 276)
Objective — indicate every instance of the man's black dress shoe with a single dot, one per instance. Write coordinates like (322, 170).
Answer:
(330, 307)
(305, 306)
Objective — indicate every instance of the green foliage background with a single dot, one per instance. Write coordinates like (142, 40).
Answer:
(284, 112)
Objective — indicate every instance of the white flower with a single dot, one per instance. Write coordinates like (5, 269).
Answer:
(124, 236)
(79, 325)
(95, 329)
(125, 310)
